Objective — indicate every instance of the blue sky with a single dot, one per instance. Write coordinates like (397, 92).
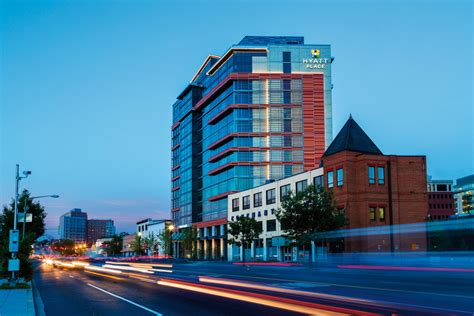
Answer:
(87, 87)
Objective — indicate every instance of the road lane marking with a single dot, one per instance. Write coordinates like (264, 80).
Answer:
(126, 300)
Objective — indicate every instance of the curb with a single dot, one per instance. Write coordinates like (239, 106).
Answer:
(36, 301)
(30, 306)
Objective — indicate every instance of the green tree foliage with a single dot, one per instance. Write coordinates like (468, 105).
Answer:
(114, 246)
(151, 243)
(243, 231)
(138, 245)
(33, 230)
(164, 239)
(306, 213)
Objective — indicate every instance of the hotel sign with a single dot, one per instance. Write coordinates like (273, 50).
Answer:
(315, 62)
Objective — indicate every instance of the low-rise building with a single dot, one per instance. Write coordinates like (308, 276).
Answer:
(127, 245)
(372, 189)
(440, 199)
(150, 230)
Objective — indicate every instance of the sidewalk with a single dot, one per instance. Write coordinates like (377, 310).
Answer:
(18, 302)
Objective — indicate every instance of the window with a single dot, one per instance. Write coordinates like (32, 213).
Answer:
(330, 179)
(271, 225)
(381, 214)
(286, 62)
(340, 177)
(372, 214)
(318, 181)
(235, 205)
(246, 202)
(284, 191)
(301, 185)
(257, 199)
(371, 175)
(270, 196)
(381, 175)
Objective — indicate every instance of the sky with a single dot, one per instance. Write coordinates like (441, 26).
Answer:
(87, 87)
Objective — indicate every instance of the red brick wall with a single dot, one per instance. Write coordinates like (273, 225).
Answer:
(409, 197)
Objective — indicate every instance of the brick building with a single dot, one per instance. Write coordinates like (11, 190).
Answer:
(376, 190)
(440, 199)
(377, 193)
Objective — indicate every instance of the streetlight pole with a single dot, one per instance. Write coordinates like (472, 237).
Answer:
(25, 209)
(15, 212)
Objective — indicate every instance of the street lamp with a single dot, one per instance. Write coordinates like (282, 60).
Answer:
(25, 208)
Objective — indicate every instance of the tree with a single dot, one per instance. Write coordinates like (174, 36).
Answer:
(243, 231)
(114, 246)
(151, 243)
(33, 230)
(306, 213)
(138, 245)
(164, 239)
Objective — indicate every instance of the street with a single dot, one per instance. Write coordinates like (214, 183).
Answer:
(253, 290)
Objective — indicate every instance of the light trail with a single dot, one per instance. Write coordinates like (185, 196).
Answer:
(105, 275)
(403, 268)
(140, 264)
(127, 268)
(162, 270)
(102, 269)
(80, 263)
(262, 299)
(141, 278)
(255, 286)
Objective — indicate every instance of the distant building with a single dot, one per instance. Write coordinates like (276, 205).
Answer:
(73, 225)
(463, 191)
(127, 245)
(99, 228)
(372, 189)
(440, 199)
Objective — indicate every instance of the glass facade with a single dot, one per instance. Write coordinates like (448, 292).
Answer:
(241, 123)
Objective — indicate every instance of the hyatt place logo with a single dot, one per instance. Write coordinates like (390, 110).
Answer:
(315, 53)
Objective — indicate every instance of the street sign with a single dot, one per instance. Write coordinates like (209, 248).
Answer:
(14, 240)
(21, 217)
(13, 265)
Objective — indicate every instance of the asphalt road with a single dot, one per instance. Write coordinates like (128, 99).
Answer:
(67, 291)
(73, 292)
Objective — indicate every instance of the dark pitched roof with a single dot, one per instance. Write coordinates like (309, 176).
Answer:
(352, 138)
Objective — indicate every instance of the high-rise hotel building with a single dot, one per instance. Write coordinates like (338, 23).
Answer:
(262, 111)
